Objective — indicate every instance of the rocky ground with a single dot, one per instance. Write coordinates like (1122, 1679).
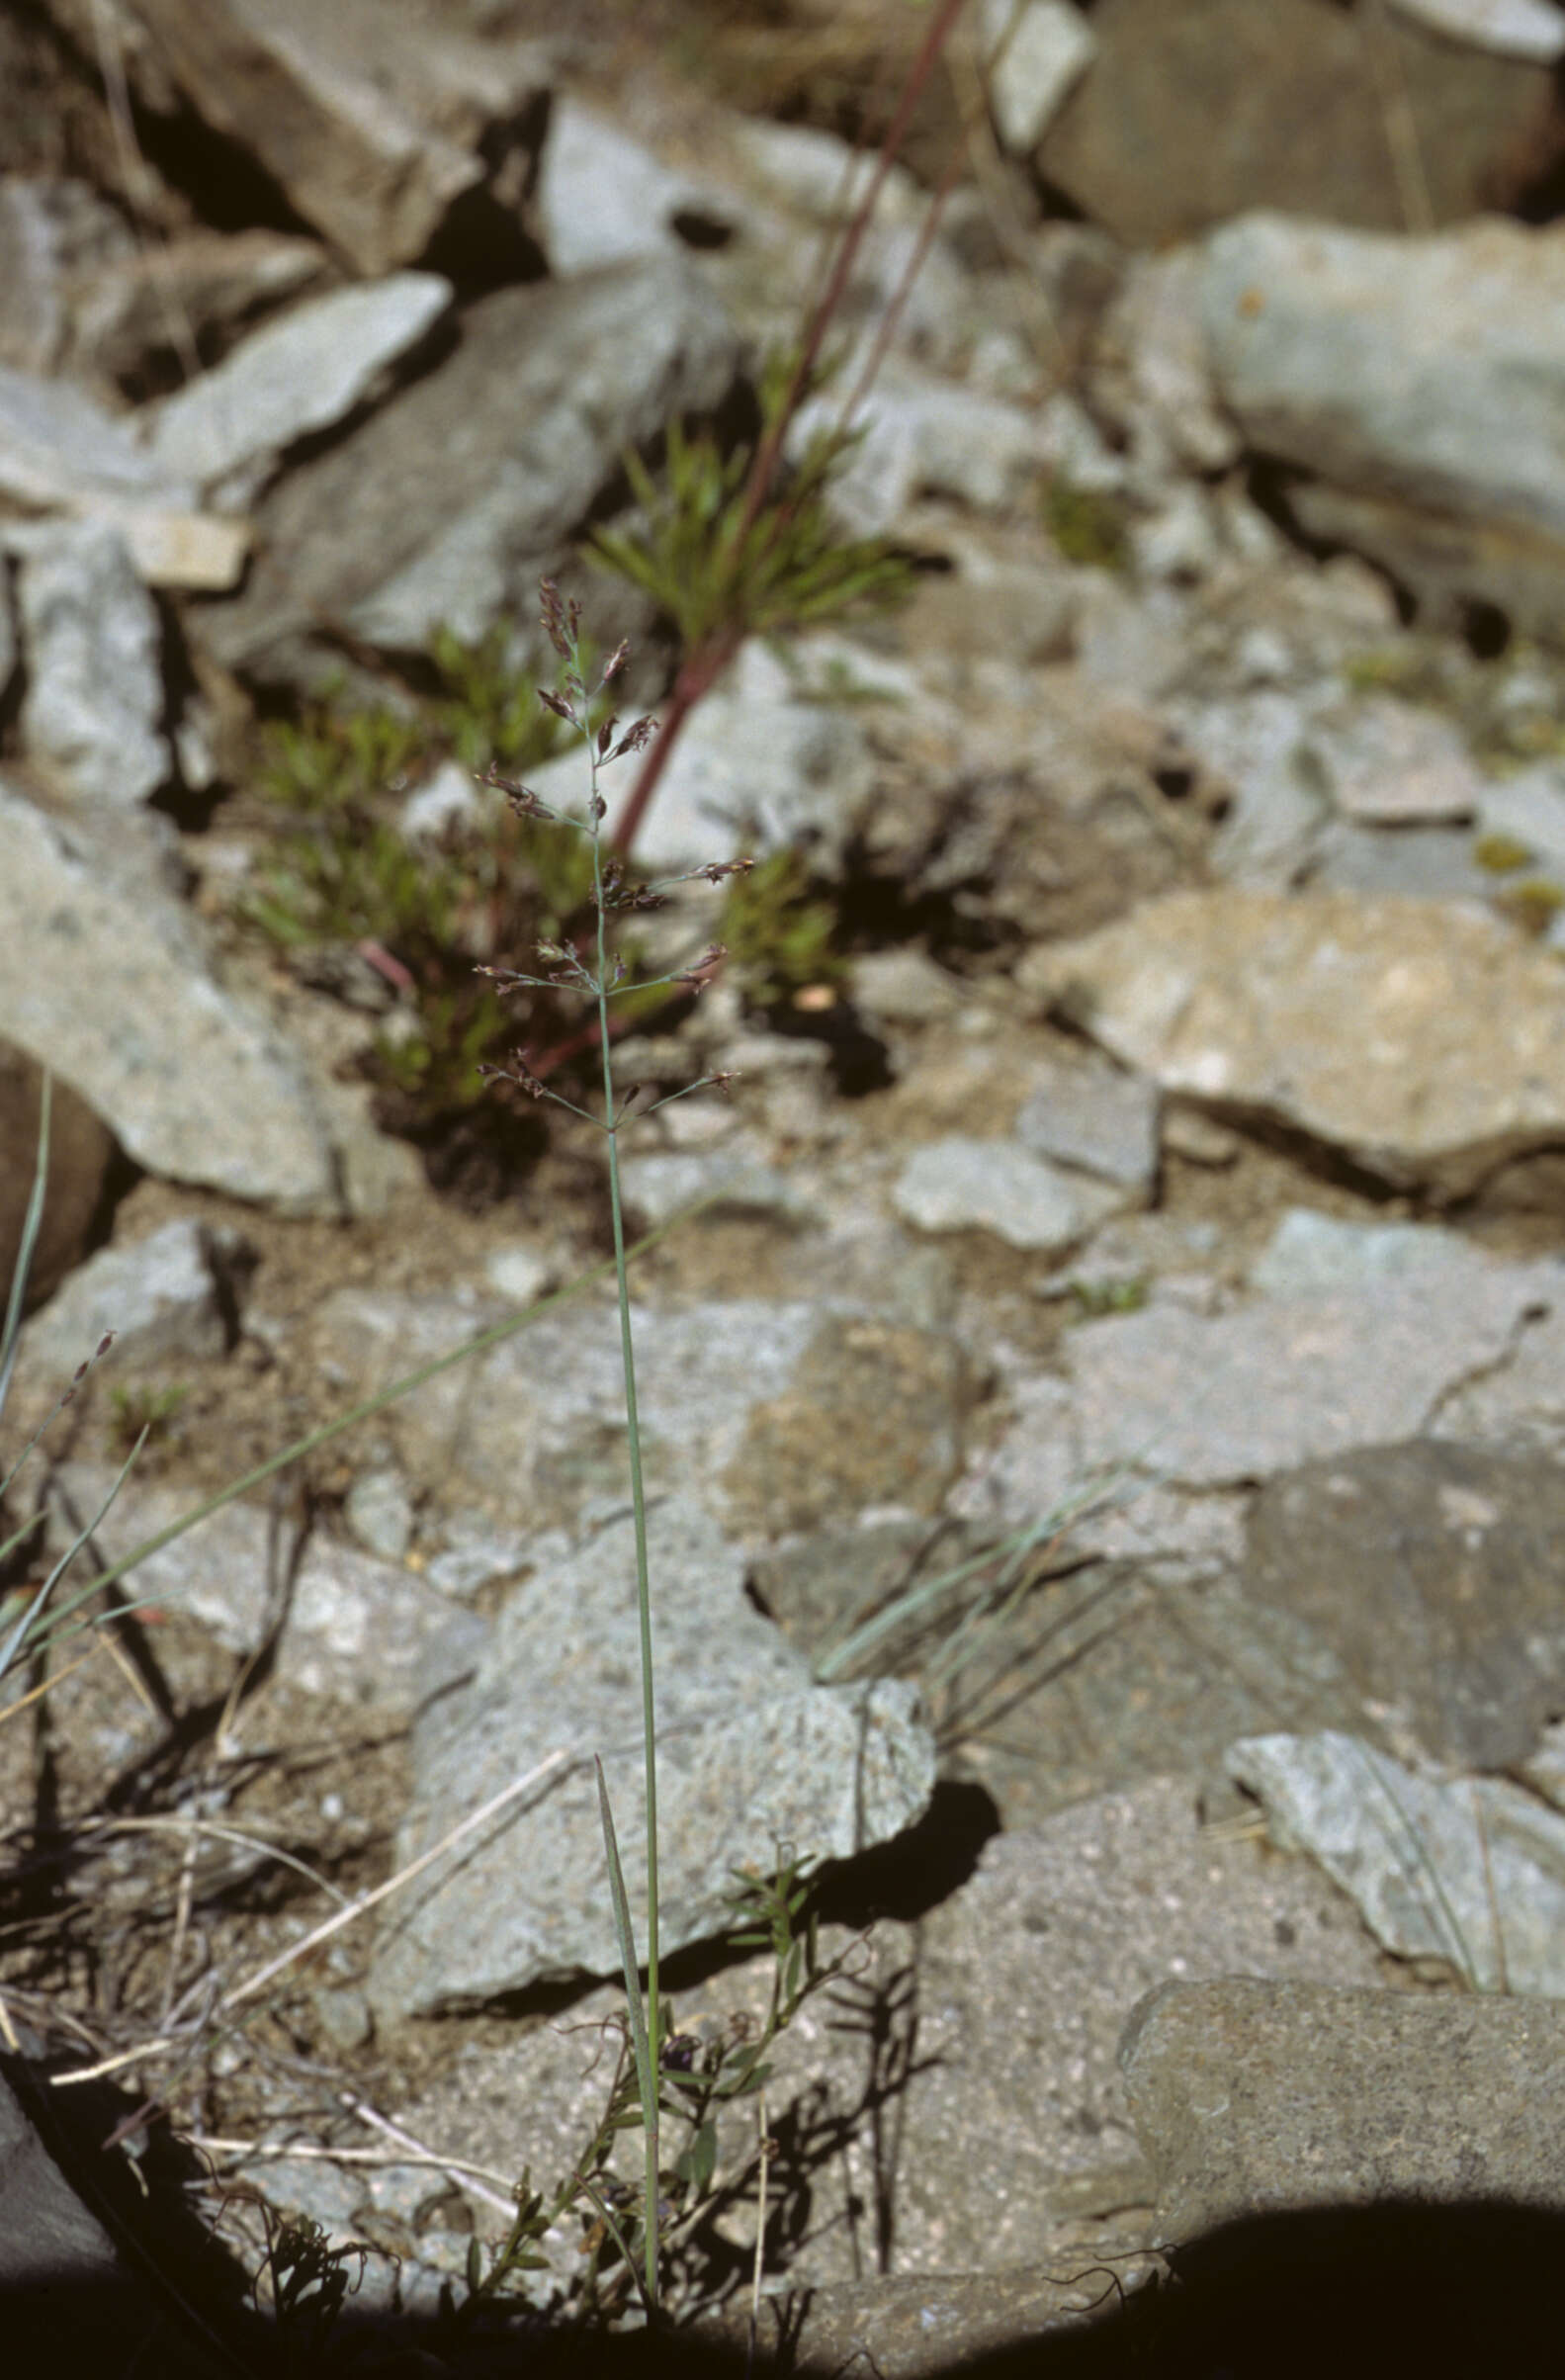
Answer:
(1131, 1266)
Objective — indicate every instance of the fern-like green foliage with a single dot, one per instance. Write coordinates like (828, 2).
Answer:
(722, 569)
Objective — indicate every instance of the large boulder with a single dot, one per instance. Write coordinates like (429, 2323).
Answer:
(1195, 109)
(443, 509)
(1419, 1040)
(1381, 368)
(751, 1756)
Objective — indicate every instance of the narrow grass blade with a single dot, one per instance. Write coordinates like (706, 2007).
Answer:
(26, 1627)
(646, 2071)
(32, 1224)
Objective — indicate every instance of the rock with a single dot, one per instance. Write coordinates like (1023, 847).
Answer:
(105, 983)
(1035, 49)
(1254, 2097)
(134, 317)
(1255, 750)
(820, 174)
(1195, 1137)
(1516, 29)
(1466, 1870)
(174, 1293)
(1096, 1119)
(94, 705)
(1528, 810)
(1421, 864)
(48, 232)
(603, 199)
(72, 2296)
(1150, 371)
(959, 1184)
(380, 1511)
(903, 987)
(1027, 1974)
(443, 509)
(913, 2326)
(658, 1183)
(78, 1185)
(58, 449)
(1179, 542)
(389, 134)
(1380, 366)
(751, 1756)
(1389, 763)
(1244, 1000)
(1122, 1667)
(1240, 1396)
(521, 1274)
(1196, 110)
(756, 1407)
(873, 1415)
(1428, 1569)
(228, 429)
(924, 436)
(1522, 1403)
(757, 770)
(367, 1633)
(1311, 1255)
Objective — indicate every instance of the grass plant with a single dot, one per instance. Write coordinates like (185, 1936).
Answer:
(599, 979)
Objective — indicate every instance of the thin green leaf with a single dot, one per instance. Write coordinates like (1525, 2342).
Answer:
(644, 2075)
(32, 1224)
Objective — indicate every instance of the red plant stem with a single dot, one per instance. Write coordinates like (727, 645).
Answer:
(694, 680)
(702, 667)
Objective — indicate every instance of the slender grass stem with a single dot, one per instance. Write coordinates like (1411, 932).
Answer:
(643, 1599)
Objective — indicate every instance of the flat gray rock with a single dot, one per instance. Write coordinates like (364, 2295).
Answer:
(1528, 809)
(228, 429)
(1035, 49)
(1467, 1870)
(603, 198)
(105, 984)
(751, 1756)
(444, 508)
(757, 769)
(1256, 746)
(1208, 1400)
(1262, 2097)
(1381, 364)
(355, 1630)
(1432, 1571)
(93, 709)
(171, 1294)
(1390, 763)
(1245, 1002)
(959, 1184)
(776, 1415)
(1124, 1668)
(1097, 1120)
(58, 447)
